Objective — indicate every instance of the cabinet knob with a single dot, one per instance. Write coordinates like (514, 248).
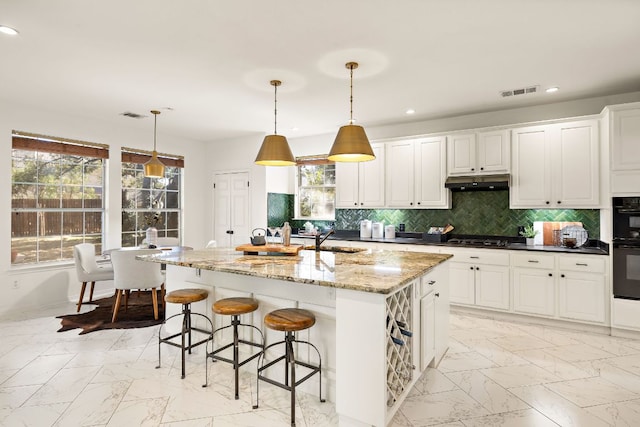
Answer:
(547, 202)
(562, 275)
(355, 204)
(471, 268)
(481, 169)
(477, 268)
(418, 202)
(361, 203)
(410, 203)
(550, 275)
(438, 294)
(559, 201)
(472, 169)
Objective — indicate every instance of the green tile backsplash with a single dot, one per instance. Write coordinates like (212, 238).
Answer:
(480, 212)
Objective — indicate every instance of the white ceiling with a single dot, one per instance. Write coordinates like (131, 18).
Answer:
(211, 61)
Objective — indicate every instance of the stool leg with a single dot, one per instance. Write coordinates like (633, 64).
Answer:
(184, 331)
(235, 320)
(291, 360)
(187, 313)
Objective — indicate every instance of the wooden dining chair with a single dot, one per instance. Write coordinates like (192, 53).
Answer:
(130, 273)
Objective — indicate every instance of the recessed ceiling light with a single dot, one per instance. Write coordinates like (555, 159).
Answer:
(410, 111)
(8, 30)
(552, 89)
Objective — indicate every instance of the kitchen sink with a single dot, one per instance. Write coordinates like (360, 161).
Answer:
(336, 249)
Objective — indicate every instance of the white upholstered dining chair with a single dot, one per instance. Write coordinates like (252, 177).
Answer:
(130, 273)
(88, 270)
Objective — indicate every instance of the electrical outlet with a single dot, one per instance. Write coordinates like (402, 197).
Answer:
(16, 285)
(331, 293)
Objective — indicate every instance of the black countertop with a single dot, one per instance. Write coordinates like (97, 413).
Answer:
(592, 247)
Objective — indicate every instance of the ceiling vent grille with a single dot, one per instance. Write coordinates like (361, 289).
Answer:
(519, 91)
(133, 115)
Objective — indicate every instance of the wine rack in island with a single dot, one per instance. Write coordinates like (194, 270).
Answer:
(400, 359)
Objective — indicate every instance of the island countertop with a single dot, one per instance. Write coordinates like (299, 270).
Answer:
(377, 271)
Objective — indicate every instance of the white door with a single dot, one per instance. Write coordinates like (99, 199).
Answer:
(492, 286)
(431, 173)
(493, 151)
(231, 209)
(400, 178)
(461, 154)
(530, 168)
(533, 291)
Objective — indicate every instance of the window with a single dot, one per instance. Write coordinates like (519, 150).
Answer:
(57, 188)
(150, 202)
(316, 188)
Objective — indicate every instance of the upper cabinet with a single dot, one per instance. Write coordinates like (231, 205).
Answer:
(624, 138)
(556, 166)
(478, 153)
(361, 185)
(416, 171)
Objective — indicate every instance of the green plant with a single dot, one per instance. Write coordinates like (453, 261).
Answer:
(529, 232)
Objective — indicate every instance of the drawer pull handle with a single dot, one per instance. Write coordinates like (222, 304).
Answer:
(533, 261)
(474, 257)
(582, 264)
(432, 282)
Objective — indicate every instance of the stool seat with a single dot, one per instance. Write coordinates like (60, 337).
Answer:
(186, 296)
(289, 319)
(235, 306)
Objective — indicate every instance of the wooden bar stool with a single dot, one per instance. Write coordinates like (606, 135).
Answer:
(289, 320)
(185, 297)
(235, 307)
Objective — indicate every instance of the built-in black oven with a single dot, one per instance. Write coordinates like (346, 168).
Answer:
(626, 247)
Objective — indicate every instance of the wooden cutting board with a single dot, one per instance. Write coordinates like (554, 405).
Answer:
(548, 227)
(248, 248)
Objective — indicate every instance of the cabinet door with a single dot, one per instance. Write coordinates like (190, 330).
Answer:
(400, 174)
(428, 330)
(462, 283)
(442, 301)
(371, 179)
(461, 154)
(430, 173)
(347, 185)
(533, 291)
(530, 170)
(492, 286)
(625, 134)
(493, 152)
(576, 153)
(582, 296)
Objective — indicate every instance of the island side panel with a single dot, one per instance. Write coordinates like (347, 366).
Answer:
(360, 358)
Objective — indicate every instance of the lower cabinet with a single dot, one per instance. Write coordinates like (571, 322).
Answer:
(534, 291)
(480, 278)
(434, 316)
(428, 332)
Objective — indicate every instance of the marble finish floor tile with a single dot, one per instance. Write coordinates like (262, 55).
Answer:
(496, 373)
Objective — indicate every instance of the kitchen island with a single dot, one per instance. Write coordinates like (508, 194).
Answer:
(362, 301)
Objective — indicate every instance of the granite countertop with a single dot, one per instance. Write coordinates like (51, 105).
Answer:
(377, 271)
(593, 247)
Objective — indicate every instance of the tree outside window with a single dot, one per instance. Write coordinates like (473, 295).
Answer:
(316, 190)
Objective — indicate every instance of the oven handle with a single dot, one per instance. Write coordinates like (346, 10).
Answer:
(627, 247)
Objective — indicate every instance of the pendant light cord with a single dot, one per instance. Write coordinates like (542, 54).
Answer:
(351, 95)
(155, 123)
(275, 109)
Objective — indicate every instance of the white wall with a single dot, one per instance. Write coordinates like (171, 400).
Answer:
(50, 285)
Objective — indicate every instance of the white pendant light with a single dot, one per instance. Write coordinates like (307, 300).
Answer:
(351, 143)
(154, 167)
(275, 149)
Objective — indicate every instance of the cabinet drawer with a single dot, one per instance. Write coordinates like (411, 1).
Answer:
(533, 260)
(587, 264)
(482, 257)
(433, 280)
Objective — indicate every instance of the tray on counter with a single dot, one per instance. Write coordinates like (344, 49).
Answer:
(248, 248)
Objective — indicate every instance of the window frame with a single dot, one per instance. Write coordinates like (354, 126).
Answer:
(315, 160)
(82, 153)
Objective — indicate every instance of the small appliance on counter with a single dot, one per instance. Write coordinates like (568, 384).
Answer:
(389, 231)
(365, 229)
(377, 230)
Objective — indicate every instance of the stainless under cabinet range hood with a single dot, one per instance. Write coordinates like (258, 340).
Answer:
(478, 182)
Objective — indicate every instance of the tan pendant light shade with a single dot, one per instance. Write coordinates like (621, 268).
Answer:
(154, 167)
(275, 149)
(351, 143)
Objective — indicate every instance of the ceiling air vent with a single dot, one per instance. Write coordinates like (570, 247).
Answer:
(132, 115)
(519, 91)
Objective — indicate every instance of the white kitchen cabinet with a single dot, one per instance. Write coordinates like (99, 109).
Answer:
(556, 166)
(434, 316)
(480, 278)
(625, 140)
(478, 153)
(361, 184)
(428, 332)
(534, 284)
(416, 172)
(582, 288)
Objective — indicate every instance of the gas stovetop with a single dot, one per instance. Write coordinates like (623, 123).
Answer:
(483, 243)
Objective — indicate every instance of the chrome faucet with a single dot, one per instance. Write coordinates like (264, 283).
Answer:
(320, 239)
